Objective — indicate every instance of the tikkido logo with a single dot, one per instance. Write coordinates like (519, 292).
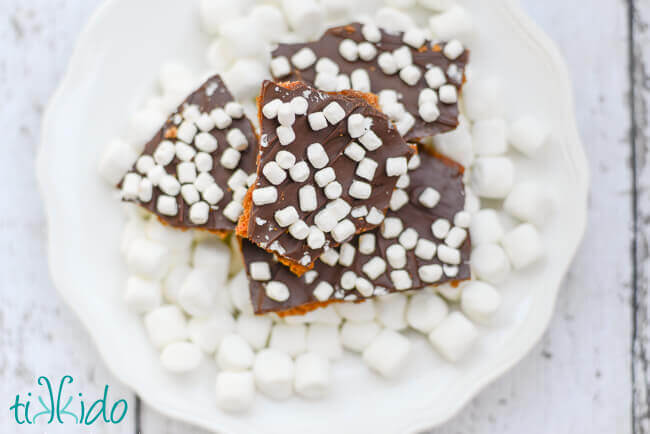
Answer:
(50, 406)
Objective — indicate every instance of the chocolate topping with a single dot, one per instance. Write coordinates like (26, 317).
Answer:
(212, 95)
(430, 55)
(263, 228)
(437, 173)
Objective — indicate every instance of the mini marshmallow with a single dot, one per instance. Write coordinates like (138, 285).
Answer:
(456, 237)
(411, 74)
(527, 135)
(270, 109)
(454, 336)
(371, 32)
(454, 22)
(325, 220)
(398, 199)
(213, 194)
(199, 213)
(490, 263)
(290, 339)
(254, 329)
(142, 295)
(429, 197)
(286, 115)
(485, 227)
(429, 112)
(299, 230)
(479, 301)
(356, 336)
(324, 340)
(401, 279)
(235, 391)
(235, 354)
(307, 198)
(448, 94)
(483, 99)
(304, 58)
(277, 291)
(430, 273)
(180, 357)
(343, 230)
(391, 228)
(360, 80)
(312, 375)
(286, 135)
(214, 255)
(286, 216)
(221, 120)
(449, 255)
(396, 255)
(413, 36)
(280, 68)
(367, 51)
(490, 137)
(339, 208)
(324, 176)
(165, 325)
(323, 291)
(195, 295)
(244, 78)
(348, 50)
(265, 195)
(523, 245)
(387, 353)
(334, 113)
(391, 311)
(326, 82)
(367, 243)
(529, 202)
(306, 17)
(166, 205)
(366, 169)
(333, 190)
(364, 286)
(230, 158)
(357, 125)
(393, 20)
(285, 159)
(269, 20)
(203, 162)
(274, 173)
(360, 190)
(173, 281)
(274, 373)
(207, 332)
(463, 219)
(387, 63)
(456, 144)
(143, 125)
(147, 258)
(493, 177)
(170, 185)
(425, 311)
(131, 186)
(375, 216)
(317, 156)
(299, 172)
(116, 160)
(185, 152)
(357, 312)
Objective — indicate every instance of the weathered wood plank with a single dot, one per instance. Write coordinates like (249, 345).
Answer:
(38, 334)
(578, 378)
(640, 37)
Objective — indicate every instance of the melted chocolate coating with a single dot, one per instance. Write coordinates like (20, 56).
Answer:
(212, 94)
(334, 139)
(444, 176)
(328, 46)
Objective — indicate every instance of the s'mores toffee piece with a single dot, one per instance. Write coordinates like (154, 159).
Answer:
(423, 240)
(196, 170)
(418, 81)
(327, 168)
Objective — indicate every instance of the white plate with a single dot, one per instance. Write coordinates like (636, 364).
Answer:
(114, 66)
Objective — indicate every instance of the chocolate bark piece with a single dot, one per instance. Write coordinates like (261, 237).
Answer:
(434, 249)
(327, 166)
(195, 171)
(418, 80)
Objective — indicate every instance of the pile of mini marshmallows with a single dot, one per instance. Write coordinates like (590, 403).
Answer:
(190, 288)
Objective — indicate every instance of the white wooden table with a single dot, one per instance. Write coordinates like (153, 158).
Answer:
(589, 374)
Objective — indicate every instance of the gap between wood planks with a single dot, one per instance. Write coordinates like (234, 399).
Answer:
(637, 28)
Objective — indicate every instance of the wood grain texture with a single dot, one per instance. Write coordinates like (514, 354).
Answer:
(582, 376)
(640, 79)
(39, 335)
